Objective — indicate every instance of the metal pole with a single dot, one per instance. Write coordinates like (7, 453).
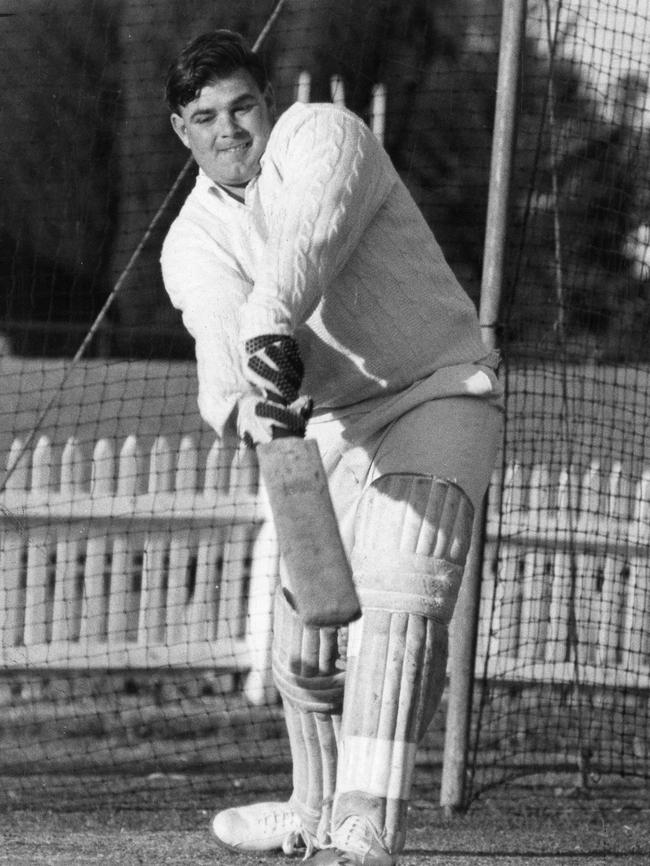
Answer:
(462, 647)
(503, 142)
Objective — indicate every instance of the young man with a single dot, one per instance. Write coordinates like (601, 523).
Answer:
(308, 277)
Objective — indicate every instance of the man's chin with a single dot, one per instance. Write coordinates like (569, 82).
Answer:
(237, 179)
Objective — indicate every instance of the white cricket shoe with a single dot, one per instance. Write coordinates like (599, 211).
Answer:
(270, 826)
(355, 843)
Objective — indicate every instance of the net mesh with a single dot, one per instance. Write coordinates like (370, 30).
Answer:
(135, 626)
(564, 650)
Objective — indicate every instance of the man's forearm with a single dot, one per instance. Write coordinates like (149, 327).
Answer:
(335, 177)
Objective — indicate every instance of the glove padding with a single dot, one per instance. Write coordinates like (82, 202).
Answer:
(274, 365)
(260, 420)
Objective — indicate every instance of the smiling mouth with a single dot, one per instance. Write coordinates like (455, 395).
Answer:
(236, 148)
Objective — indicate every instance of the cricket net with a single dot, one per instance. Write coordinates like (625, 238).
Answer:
(135, 623)
(564, 634)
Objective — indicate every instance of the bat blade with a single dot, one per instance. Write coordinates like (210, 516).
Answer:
(319, 574)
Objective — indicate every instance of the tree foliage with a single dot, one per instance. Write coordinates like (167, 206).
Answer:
(582, 194)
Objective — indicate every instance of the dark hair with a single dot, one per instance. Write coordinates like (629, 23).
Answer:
(208, 58)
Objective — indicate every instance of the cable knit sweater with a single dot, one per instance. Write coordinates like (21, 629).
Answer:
(329, 246)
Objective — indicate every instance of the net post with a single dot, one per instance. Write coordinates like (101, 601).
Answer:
(463, 636)
(462, 650)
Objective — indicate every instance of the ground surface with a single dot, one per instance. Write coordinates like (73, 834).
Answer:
(162, 820)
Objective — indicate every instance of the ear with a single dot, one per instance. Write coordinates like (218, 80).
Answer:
(178, 125)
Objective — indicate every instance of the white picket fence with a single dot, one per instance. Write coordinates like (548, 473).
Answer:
(134, 562)
(377, 108)
(566, 579)
(136, 566)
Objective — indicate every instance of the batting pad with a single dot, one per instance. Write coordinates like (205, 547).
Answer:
(309, 677)
(412, 539)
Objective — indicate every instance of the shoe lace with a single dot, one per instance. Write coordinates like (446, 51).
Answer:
(353, 835)
(357, 838)
(299, 842)
(278, 819)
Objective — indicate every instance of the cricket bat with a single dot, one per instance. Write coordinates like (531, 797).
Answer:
(321, 587)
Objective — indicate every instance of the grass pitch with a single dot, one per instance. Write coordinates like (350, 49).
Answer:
(164, 820)
(134, 774)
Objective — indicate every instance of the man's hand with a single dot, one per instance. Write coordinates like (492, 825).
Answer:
(261, 420)
(273, 364)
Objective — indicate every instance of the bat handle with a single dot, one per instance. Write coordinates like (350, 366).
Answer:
(280, 432)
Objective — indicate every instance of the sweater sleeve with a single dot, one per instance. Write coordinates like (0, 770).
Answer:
(333, 178)
(209, 294)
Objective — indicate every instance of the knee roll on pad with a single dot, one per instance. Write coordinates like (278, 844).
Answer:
(411, 541)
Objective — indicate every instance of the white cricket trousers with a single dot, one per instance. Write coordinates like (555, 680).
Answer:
(453, 437)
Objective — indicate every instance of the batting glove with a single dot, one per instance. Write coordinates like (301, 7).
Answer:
(273, 364)
(260, 420)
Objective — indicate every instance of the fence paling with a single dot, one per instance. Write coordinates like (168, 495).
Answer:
(127, 573)
(66, 607)
(570, 589)
(265, 566)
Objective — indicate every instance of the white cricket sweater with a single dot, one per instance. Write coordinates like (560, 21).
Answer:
(329, 246)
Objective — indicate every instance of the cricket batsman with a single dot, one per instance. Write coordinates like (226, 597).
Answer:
(321, 303)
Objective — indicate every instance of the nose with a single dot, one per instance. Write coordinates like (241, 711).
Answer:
(227, 126)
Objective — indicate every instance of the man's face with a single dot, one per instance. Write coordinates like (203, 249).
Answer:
(227, 127)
